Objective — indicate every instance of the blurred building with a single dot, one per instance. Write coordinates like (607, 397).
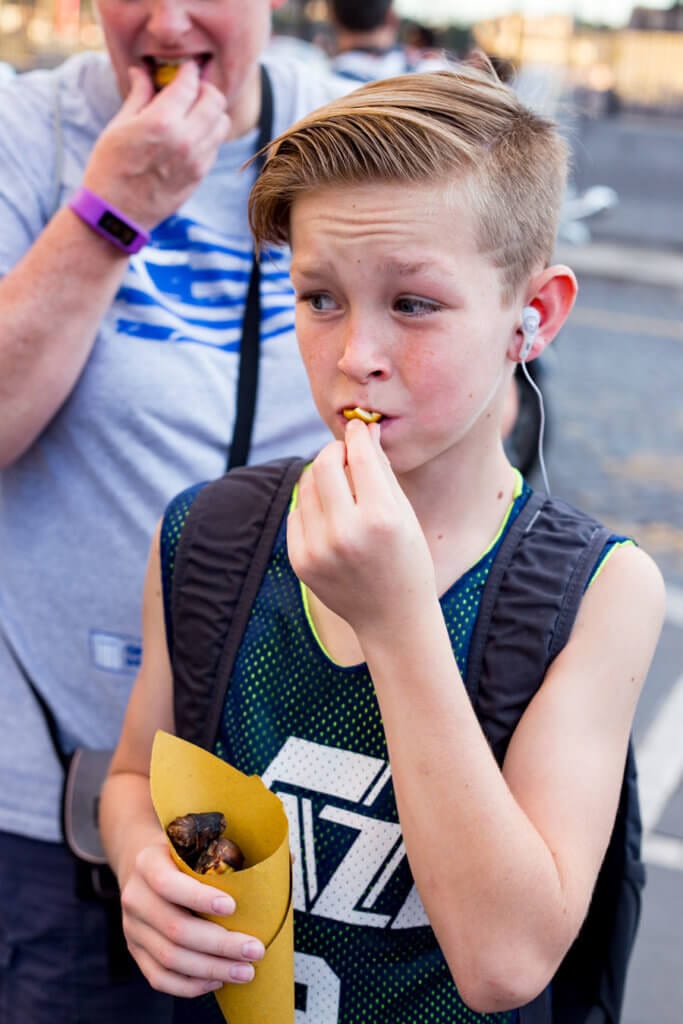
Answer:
(650, 19)
(638, 66)
(632, 67)
(36, 33)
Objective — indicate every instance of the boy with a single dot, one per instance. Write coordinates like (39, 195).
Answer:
(421, 213)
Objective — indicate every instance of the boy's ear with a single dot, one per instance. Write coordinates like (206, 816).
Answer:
(552, 292)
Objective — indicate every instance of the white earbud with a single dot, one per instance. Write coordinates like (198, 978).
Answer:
(531, 320)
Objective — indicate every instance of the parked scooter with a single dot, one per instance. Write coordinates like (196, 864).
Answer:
(579, 208)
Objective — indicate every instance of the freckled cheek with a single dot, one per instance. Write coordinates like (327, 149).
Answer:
(312, 352)
(436, 386)
(320, 368)
(440, 407)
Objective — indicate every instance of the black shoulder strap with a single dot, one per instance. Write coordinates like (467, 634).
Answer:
(247, 377)
(221, 557)
(48, 715)
(489, 597)
(528, 607)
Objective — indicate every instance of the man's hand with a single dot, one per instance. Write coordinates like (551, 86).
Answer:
(159, 147)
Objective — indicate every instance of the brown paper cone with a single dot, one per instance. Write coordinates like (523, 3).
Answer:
(186, 779)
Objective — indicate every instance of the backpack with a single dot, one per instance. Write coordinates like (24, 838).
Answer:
(527, 610)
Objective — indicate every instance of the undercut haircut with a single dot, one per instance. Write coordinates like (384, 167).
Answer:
(461, 128)
(360, 15)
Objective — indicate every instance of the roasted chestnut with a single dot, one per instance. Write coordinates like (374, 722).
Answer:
(219, 856)
(197, 839)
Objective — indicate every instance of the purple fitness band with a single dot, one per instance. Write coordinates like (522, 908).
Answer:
(108, 222)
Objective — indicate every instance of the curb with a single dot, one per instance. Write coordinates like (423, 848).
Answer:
(660, 267)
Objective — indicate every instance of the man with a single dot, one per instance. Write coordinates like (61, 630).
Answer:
(119, 361)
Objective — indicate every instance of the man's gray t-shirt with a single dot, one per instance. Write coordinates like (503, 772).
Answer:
(151, 413)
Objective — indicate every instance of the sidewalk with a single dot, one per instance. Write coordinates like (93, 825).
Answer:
(618, 262)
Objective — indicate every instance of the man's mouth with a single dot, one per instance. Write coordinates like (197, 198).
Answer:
(164, 69)
(366, 415)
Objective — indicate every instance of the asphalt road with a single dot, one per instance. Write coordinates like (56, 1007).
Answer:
(639, 156)
(615, 448)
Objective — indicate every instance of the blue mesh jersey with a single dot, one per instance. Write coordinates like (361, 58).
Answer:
(365, 952)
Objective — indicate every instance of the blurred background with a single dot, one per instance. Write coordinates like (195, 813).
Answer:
(612, 74)
(619, 55)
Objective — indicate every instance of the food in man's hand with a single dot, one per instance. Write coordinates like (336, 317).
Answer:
(220, 856)
(164, 74)
(198, 839)
(362, 414)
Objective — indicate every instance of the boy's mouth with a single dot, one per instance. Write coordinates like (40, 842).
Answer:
(366, 415)
(164, 69)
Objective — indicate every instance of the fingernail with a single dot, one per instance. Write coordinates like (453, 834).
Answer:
(223, 905)
(241, 972)
(253, 950)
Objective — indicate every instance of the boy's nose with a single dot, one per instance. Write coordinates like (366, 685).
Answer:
(168, 20)
(364, 355)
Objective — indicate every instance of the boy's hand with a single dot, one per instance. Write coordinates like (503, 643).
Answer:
(354, 538)
(159, 147)
(178, 952)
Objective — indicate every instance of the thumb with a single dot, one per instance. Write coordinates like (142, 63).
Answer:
(140, 92)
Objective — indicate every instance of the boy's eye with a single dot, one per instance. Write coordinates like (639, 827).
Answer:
(321, 302)
(411, 306)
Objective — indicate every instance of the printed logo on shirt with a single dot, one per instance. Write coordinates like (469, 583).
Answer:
(371, 850)
(197, 279)
(111, 652)
(322, 787)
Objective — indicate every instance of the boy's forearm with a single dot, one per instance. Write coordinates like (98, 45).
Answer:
(489, 883)
(128, 821)
(51, 305)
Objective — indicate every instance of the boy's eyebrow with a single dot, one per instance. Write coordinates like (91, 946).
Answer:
(403, 268)
(312, 270)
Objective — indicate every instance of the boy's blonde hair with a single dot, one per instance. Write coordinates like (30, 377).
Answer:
(462, 126)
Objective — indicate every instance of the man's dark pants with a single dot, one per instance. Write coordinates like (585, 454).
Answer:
(62, 956)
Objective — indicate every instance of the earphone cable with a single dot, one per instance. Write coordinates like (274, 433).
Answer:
(541, 429)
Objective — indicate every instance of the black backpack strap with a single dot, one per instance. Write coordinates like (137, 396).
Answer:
(221, 557)
(528, 608)
(538, 1011)
(489, 597)
(47, 712)
(576, 585)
